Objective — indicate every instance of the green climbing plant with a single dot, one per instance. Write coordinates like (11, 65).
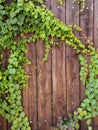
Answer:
(82, 3)
(19, 18)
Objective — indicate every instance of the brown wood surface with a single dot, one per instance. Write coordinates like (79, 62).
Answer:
(54, 88)
(44, 86)
(58, 69)
(3, 124)
(44, 89)
(72, 64)
(95, 6)
(30, 94)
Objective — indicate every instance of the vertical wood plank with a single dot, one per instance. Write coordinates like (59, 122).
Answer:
(96, 23)
(2, 123)
(44, 86)
(58, 68)
(86, 23)
(44, 89)
(48, 3)
(59, 82)
(49, 98)
(9, 126)
(72, 63)
(30, 94)
(96, 44)
(58, 10)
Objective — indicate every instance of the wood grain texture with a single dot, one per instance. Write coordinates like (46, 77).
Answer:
(58, 68)
(96, 23)
(72, 63)
(44, 86)
(3, 125)
(30, 94)
(44, 89)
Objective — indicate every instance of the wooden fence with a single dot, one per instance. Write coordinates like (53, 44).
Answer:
(54, 87)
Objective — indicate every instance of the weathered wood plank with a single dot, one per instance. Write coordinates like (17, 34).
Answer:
(96, 23)
(58, 81)
(48, 3)
(58, 68)
(44, 89)
(44, 86)
(72, 63)
(9, 126)
(95, 123)
(2, 123)
(30, 94)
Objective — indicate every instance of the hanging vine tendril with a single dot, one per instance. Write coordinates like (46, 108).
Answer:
(19, 18)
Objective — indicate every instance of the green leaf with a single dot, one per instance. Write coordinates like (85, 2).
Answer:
(13, 112)
(22, 114)
(18, 103)
(20, 3)
(21, 17)
(16, 86)
(90, 128)
(13, 21)
(19, 97)
(26, 124)
(7, 116)
(0, 75)
(12, 71)
(89, 122)
(77, 126)
(1, 7)
(83, 113)
(79, 110)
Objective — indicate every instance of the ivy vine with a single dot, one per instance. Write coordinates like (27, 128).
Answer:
(19, 18)
(82, 3)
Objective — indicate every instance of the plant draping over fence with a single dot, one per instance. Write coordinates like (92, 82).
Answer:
(17, 20)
